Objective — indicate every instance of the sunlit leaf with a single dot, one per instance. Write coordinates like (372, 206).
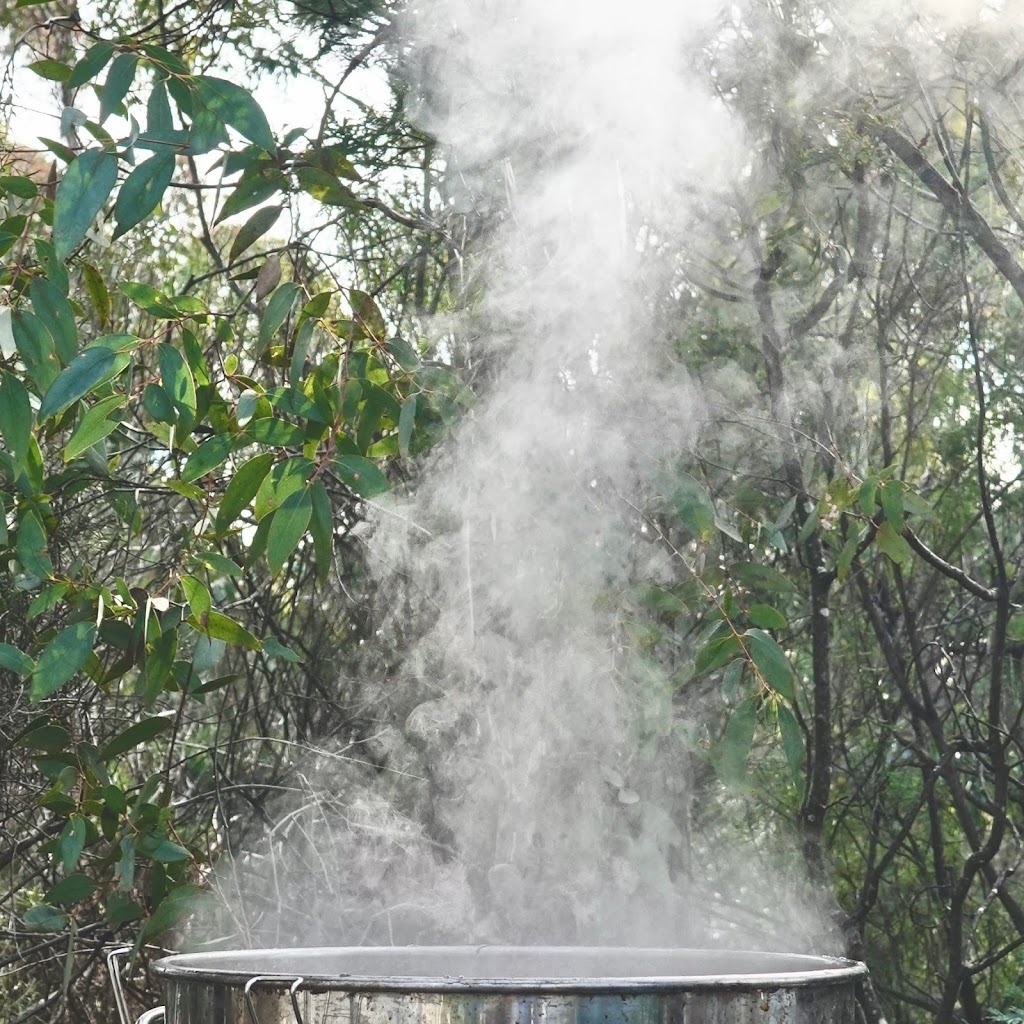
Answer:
(236, 107)
(99, 421)
(289, 525)
(278, 307)
(241, 490)
(361, 475)
(254, 229)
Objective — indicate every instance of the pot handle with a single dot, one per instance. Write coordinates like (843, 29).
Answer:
(155, 1016)
(293, 994)
(114, 969)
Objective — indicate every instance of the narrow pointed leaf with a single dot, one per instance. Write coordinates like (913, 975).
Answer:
(142, 191)
(80, 196)
(118, 82)
(65, 654)
(93, 367)
(254, 229)
(236, 107)
(770, 661)
(241, 491)
(102, 419)
(288, 526)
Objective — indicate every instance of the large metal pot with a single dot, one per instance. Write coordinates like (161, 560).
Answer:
(504, 985)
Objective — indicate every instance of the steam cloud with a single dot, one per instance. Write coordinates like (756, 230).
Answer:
(537, 784)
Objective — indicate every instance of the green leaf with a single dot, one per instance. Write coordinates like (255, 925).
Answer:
(279, 306)
(892, 543)
(754, 575)
(142, 191)
(15, 185)
(15, 416)
(72, 842)
(892, 504)
(248, 400)
(278, 433)
(94, 61)
(140, 732)
(35, 346)
(254, 229)
(197, 595)
(218, 563)
(158, 404)
(321, 527)
(866, 495)
(56, 315)
(770, 661)
(51, 70)
(361, 475)
(31, 546)
(289, 475)
(98, 294)
(120, 909)
(732, 753)
(326, 188)
(209, 455)
(164, 851)
(158, 665)
(368, 313)
(150, 299)
(80, 197)
(276, 649)
(119, 81)
(716, 652)
(45, 919)
(73, 889)
(124, 870)
(241, 490)
(63, 656)
(158, 110)
(845, 559)
(218, 626)
(288, 527)
(406, 422)
(792, 744)
(49, 737)
(256, 185)
(95, 366)
(766, 617)
(96, 424)
(177, 381)
(694, 507)
(236, 107)
(172, 910)
(14, 660)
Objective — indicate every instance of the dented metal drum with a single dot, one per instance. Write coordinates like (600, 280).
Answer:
(507, 985)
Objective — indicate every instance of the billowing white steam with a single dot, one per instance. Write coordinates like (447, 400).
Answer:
(537, 787)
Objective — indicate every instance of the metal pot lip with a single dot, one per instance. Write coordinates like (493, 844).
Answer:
(510, 969)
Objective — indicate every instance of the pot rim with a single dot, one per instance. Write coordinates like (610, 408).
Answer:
(478, 969)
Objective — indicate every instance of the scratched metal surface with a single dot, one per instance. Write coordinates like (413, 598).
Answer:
(492, 985)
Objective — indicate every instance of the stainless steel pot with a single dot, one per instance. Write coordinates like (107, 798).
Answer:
(501, 985)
